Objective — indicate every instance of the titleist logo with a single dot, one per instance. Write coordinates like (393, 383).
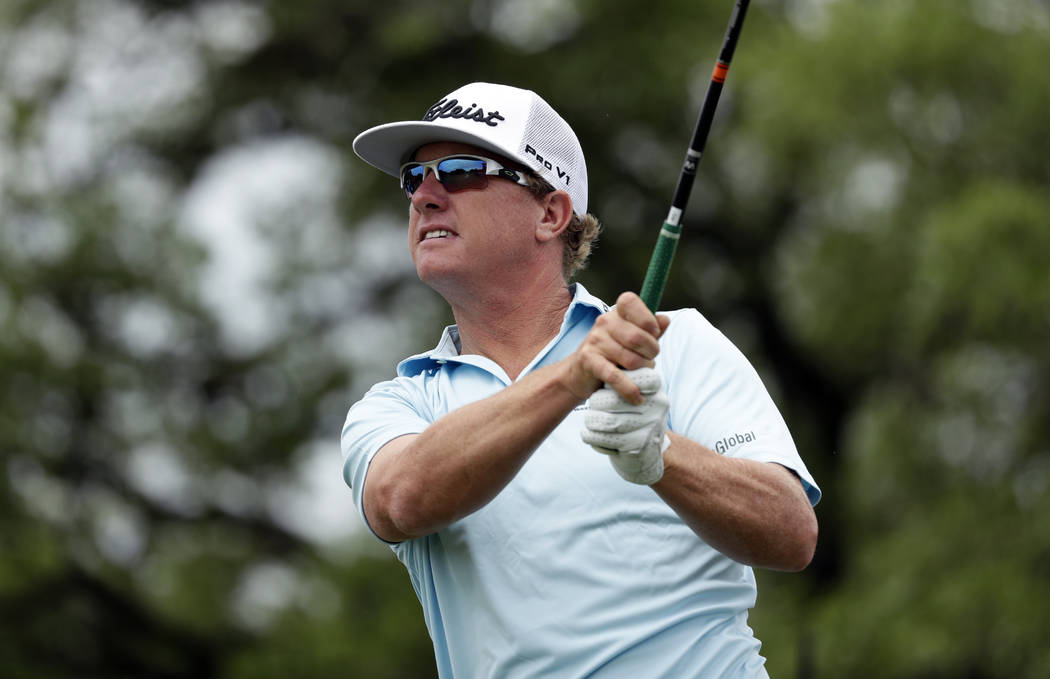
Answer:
(450, 108)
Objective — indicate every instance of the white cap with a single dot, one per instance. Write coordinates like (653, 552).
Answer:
(512, 122)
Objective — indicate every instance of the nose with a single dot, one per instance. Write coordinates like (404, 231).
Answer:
(430, 194)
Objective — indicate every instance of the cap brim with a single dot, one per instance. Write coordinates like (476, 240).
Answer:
(388, 146)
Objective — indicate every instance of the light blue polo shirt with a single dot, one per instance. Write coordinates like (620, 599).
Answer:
(571, 571)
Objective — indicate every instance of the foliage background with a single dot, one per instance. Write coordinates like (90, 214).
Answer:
(197, 278)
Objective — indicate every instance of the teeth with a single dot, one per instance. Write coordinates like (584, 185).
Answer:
(436, 233)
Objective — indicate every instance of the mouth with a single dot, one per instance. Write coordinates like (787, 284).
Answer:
(432, 234)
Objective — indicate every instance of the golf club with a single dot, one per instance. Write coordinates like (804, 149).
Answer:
(663, 253)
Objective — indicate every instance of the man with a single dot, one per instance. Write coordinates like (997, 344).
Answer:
(574, 490)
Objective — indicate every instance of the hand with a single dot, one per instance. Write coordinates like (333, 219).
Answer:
(626, 338)
(632, 435)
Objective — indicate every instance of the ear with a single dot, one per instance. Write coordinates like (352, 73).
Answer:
(557, 213)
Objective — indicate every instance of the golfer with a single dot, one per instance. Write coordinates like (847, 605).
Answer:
(576, 490)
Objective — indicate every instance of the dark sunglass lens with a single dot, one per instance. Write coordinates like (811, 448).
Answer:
(462, 173)
(412, 177)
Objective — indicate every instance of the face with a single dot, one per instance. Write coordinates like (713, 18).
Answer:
(472, 236)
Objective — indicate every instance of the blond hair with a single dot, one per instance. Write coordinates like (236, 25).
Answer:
(577, 239)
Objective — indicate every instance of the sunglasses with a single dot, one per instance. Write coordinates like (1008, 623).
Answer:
(457, 173)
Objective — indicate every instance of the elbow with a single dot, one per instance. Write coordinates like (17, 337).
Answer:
(410, 518)
(394, 512)
(803, 544)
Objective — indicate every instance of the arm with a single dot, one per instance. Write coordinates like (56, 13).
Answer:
(756, 513)
(419, 483)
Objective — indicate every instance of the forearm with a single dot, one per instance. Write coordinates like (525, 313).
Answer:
(753, 512)
(463, 460)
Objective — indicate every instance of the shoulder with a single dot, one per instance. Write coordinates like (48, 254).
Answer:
(689, 327)
(693, 344)
(389, 396)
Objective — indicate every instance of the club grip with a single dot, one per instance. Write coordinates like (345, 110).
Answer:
(660, 265)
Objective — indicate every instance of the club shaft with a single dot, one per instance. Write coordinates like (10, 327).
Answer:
(667, 242)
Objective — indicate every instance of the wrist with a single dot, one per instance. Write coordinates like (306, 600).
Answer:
(573, 380)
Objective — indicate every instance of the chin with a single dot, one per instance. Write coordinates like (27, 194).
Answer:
(435, 276)
(451, 283)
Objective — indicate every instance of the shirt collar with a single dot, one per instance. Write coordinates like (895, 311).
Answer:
(448, 347)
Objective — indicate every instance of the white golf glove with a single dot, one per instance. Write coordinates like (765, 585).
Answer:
(631, 435)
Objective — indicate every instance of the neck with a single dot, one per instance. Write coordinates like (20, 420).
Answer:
(510, 324)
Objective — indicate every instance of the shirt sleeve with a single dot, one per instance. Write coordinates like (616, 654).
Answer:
(719, 400)
(388, 410)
